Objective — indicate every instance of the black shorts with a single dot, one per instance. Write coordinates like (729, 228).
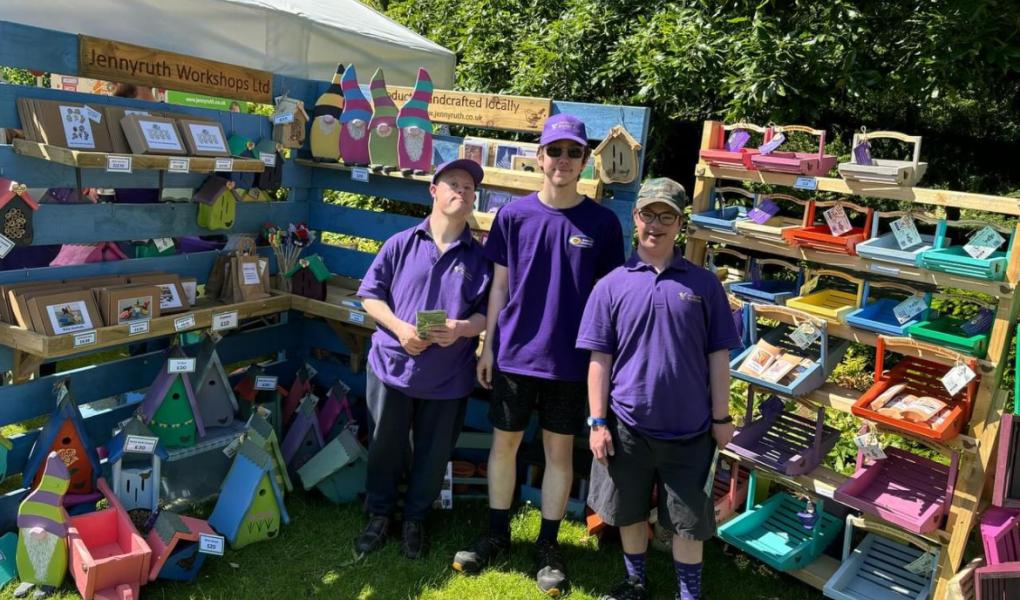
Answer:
(562, 405)
(621, 492)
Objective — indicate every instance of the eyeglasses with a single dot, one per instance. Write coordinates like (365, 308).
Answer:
(574, 152)
(666, 218)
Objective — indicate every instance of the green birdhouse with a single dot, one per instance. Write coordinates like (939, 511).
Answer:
(170, 409)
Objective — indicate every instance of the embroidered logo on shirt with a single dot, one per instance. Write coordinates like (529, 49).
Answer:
(689, 297)
(581, 241)
(460, 268)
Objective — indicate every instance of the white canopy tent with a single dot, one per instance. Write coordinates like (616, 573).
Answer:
(300, 38)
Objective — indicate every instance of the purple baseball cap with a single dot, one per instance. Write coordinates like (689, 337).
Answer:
(563, 127)
(465, 164)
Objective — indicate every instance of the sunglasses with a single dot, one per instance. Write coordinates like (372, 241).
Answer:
(666, 218)
(557, 151)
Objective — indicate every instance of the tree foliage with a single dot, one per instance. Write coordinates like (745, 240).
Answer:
(945, 69)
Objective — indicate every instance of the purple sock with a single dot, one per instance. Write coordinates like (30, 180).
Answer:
(635, 564)
(688, 580)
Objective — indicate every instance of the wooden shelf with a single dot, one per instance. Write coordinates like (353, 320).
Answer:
(933, 197)
(139, 162)
(505, 179)
(859, 264)
(50, 347)
(332, 310)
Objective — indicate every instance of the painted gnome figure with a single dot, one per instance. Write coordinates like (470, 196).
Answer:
(382, 131)
(325, 139)
(414, 152)
(354, 121)
(42, 532)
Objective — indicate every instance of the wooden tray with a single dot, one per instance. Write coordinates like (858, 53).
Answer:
(781, 440)
(798, 163)
(878, 316)
(884, 247)
(885, 170)
(773, 229)
(726, 211)
(819, 237)
(832, 305)
(718, 155)
(954, 259)
(768, 291)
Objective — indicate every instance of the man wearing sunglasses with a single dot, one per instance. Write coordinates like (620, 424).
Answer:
(418, 386)
(549, 248)
(659, 330)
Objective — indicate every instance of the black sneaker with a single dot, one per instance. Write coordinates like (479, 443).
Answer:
(413, 545)
(550, 570)
(486, 550)
(373, 536)
(630, 588)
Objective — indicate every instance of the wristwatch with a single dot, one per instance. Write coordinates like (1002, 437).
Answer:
(723, 421)
(596, 422)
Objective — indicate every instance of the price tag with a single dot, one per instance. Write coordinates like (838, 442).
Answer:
(805, 183)
(354, 317)
(224, 164)
(140, 443)
(909, 308)
(224, 320)
(862, 154)
(957, 377)
(922, 565)
(312, 371)
(770, 146)
(283, 118)
(905, 231)
(979, 323)
(231, 449)
(180, 365)
(983, 243)
(265, 382)
(210, 544)
(869, 446)
(185, 322)
(163, 244)
(6, 245)
(179, 165)
(118, 164)
(85, 338)
(94, 115)
(359, 174)
(765, 210)
(804, 335)
(738, 139)
(268, 158)
(138, 328)
(837, 220)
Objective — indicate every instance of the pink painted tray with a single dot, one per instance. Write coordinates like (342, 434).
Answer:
(1000, 535)
(720, 156)
(798, 163)
(905, 489)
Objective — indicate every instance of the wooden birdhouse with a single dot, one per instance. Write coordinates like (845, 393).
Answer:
(42, 530)
(170, 409)
(333, 407)
(213, 393)
(261, 432)
(80, 254)
(338, 470)
(65, 434)
(290, 121)
(217, 203)
(304, 439)
(250, 507)
(308, 277)
(617, 156)
(249, 396)
(16, 210)
(174, 540)
(241, 146)
(136, 454)
(301, 387)
(269, 152)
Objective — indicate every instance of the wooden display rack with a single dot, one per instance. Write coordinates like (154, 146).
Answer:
(139, 162)
(979, 437)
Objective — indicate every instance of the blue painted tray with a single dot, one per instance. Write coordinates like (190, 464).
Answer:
(823, 354)
(878, 315)
(768, 291)
(773, 533)
(727, 210)
(954, 259)
(884, 247)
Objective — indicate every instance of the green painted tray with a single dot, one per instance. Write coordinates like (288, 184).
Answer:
(945, 331)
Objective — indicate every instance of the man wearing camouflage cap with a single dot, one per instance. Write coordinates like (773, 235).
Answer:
(659, 329)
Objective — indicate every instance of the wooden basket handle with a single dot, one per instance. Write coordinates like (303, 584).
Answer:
(778, 262)
(892, 135)
(890, 285)
(771, 309)
(911, 343)
(834, 273)
(743, 125)
(924, 217)
(857, 207)
(734, 253)
(736, 190)
(786, 197)
(798, 128)
(976, 223)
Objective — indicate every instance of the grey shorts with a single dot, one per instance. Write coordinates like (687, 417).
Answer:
(621, 492)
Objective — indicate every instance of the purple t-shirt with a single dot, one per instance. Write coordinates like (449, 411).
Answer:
(409, 274)
(660, 329)
(553, 259)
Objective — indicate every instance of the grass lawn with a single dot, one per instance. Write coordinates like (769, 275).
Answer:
(307, 561)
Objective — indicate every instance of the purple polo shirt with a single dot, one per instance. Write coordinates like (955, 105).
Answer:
(553, 258)
(660, 329)
(409, 274)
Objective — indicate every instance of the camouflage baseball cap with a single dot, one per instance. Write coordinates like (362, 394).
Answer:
(662, 189)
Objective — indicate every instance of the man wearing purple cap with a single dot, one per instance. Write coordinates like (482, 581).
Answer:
(419, 385)
(549, 248)
(659, 330)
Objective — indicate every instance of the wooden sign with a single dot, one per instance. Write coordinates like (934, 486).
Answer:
(118, 61)
(519, 113)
